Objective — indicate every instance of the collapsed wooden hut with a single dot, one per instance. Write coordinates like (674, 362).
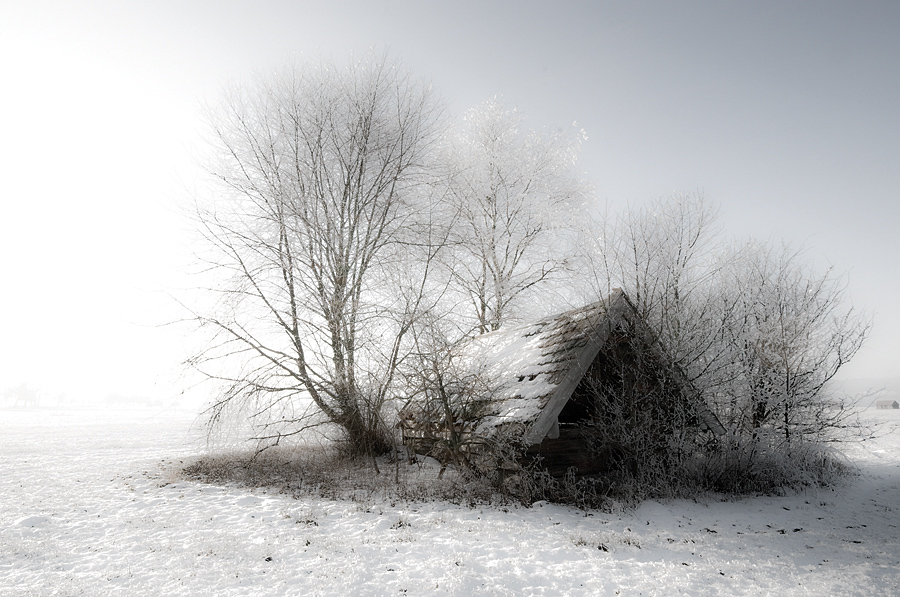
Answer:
(565, 389)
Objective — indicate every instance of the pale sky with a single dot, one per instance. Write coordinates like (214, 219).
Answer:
(784, 113)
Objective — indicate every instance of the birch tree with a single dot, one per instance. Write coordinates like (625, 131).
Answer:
(320, 223)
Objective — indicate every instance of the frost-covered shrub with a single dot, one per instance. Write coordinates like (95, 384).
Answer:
(756, 327)
(746, 466)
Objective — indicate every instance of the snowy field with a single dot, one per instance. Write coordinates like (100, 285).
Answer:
(90, 505)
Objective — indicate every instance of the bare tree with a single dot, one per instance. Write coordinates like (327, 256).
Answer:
(513, 188)
(322, 201)
(25, 396)
(666, 256)
(791, 332)
(757, 330)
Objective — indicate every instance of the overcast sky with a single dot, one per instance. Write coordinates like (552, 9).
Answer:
(784, 113)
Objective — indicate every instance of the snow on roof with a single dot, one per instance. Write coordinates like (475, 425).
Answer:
(536, 367)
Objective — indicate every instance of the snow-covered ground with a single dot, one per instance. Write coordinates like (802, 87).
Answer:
(90, 505)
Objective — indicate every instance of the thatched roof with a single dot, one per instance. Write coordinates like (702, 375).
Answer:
(536, 367)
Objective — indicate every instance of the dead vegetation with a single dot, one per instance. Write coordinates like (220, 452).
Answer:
(325, 472)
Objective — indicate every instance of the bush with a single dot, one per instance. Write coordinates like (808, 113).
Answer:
(743, 466)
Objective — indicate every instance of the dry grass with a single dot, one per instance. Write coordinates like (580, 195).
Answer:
(325, 472)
